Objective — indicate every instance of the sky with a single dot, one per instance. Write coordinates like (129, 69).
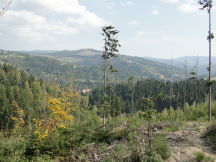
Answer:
(148, 28)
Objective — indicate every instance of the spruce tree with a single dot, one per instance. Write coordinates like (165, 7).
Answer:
(207, 4)
(111, 45)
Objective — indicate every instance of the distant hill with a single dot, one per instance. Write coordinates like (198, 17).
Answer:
(84, 67)
(39, 66)
(89, 60)
(192, 62)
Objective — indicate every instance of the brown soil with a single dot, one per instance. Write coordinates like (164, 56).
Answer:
(187, 141)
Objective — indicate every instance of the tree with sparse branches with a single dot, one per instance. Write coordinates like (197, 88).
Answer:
(207, 4)
(5, 8)
(111, 45)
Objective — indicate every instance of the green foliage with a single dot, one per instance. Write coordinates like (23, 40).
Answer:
(127, 93)
(111, 43)
(172, 128)
(201, 157)
(152, 157)
(46, 68)
(195, 112)
(161, 146)
(25, 90)
(120, 152)
(12, 149)
(210, 135)
(81, 68)
(119, 140)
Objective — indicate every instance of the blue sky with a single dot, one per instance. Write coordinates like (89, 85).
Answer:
(152, 28)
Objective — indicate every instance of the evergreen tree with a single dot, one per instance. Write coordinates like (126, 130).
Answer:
(111, 45)
(207, 4)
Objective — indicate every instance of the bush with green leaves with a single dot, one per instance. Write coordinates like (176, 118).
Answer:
(12, 149)
(210, 135)
(201, 157)
(161, 147)
(195, 112)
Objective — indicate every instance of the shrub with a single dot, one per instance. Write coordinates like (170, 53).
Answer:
(172, 128)
(201, 157)
(161, 146)
(12, 149)
(210, 135)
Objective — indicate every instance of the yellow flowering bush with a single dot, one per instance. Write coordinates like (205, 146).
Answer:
(59, 117)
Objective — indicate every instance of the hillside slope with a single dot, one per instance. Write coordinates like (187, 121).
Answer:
(193, 62)
(84, 67)
(89, 61)
(39, 66)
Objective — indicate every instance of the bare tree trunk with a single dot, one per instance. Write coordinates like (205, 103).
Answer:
(105, 82)
(197, 66)
(104, 117)
(110, 95)
(132, 99)
(105, 75)
(210, 89)
(171, 79)
(178, 97)
(170, 94)
(185, 82)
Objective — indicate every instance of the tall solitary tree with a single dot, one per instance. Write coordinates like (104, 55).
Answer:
(111, 45)
(207, 4)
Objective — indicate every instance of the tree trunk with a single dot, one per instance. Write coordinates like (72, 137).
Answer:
(209, 12)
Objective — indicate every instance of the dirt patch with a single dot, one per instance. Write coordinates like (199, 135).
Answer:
(187, 141)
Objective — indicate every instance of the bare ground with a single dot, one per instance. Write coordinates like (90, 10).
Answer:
(187, 141)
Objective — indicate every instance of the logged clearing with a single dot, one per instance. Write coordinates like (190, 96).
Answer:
(187, 141)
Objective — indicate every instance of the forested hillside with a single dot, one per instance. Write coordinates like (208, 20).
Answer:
(197, 64)
(42, 67)
(25, 95)
(43, 122)
(88, 63)
(169, 94)
(92, 105)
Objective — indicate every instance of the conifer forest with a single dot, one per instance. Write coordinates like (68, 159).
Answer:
(107, 81)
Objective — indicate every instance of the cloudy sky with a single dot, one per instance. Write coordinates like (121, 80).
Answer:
(154, 28)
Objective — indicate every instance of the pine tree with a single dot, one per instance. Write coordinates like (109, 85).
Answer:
(207, 4)
(111, 45)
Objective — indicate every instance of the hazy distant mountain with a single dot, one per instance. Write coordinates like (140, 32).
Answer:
(199, 63)
(89, 60)
(85, 66)
(40, 66)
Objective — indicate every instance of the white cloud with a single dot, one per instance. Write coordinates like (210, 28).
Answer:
(189, 6)
(155, 12)
(143, 33)
(70, 7)
(185, 6)
(31, 19)
(134, 22)
(128, 3)
(26, 24)
(170, 1)
(91, 20)
(110, 5)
